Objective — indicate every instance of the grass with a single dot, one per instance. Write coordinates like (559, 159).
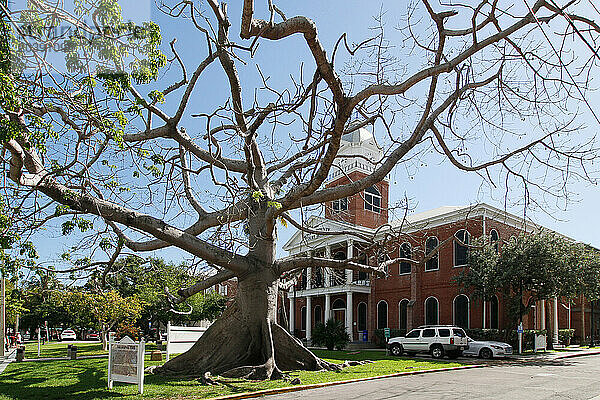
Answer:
(59, 349)
(86, 379)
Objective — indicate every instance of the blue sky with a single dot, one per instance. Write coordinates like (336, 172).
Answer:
(436, 184)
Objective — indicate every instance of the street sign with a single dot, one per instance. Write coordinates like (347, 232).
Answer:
(126, 362)
(386, 332)
(519, 330)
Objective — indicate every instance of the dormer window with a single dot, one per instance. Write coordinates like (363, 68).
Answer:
(373, 199)
(340, 204)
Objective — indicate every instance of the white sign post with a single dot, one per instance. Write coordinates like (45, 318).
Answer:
(520, 333)
(126, 362)
(181, 338)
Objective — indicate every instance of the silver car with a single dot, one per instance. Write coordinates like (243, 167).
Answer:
(487, 349)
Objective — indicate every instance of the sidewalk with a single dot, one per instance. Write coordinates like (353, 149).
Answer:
(12, 353)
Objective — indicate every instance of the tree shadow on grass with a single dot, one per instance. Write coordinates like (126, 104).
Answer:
(61, 380)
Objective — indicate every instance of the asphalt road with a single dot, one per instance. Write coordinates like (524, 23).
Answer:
(573, 378)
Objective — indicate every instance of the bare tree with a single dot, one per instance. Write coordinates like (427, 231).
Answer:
(489, 86)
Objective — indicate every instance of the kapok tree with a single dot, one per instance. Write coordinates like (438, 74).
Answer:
(211, 156)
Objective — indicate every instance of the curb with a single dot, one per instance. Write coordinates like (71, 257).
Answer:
(582, 354)
(266, 392)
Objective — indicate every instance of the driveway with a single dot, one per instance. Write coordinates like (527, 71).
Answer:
(573, 378)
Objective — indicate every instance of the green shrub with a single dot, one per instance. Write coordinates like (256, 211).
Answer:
(565, 336)
(331, 334)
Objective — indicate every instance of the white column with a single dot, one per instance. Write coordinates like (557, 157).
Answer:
(327, 271)
(555, 320)
(349, 318)
(543, 315)
(349, 254)
(308, 318)
(327, 306)
(292, 311)
(308, 275)
(484, 307)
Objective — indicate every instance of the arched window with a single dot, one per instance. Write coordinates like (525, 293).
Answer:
(430, 245)
(403, 315)
(338, 276)
(303, 316)
(362, 316)
(338, 304)
(405, 252)
(318, 314)
(461, 252)
(382, 315)
(494, 323)
(461, 311)
(303, 279)
(494, 239)
(372, 199)
(431, 311)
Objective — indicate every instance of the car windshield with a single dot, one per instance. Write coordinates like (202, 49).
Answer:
(413, 334)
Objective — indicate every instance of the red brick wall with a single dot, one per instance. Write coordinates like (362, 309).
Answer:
(356, 213)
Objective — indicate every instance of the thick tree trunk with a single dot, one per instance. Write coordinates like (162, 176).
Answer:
(246, 340)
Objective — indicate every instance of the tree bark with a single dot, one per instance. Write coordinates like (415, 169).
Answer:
(246, 340)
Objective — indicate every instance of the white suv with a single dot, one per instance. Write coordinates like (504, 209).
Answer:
(438, 340)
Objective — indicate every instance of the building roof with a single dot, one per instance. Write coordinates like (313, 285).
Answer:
(357, 136)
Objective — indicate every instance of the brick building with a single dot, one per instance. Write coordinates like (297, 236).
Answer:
(411, 294)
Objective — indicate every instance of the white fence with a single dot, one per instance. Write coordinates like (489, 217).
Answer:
(181, 338)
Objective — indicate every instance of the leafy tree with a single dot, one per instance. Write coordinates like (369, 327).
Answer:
(102, 311)
(124, 161)
(529, 267)
(149, 281)
(41, 296)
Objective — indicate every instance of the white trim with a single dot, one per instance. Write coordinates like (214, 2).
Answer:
(437, 254)
(400, 254)
(366, 315)
(372, 203)
(399, 309)
(315, 313)
(387, 314)
(468, 310)
(339, 308)
(454, 243)
(425, 309)
(303, 318)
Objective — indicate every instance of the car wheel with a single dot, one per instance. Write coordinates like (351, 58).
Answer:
(486, 353)
(437, 352)
(396, 350)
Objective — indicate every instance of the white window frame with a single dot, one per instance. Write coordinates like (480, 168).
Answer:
(468, 310)
(400, 263)
(437, 317)
(455, 242)
(495, 242)
(437, 254)
(340, 204)
(369, 200)
(387, 314)
(400, 310)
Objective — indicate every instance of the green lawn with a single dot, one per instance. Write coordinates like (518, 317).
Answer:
(59, 349)
(86, 379)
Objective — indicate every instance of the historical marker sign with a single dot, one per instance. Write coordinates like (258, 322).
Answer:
(126, 362)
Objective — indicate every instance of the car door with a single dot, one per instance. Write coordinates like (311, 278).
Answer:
(412, 340)
(428, 337)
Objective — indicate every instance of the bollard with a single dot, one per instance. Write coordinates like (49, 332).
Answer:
(73, 352)
(159, 345)
(69, 349)
(20, 353)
